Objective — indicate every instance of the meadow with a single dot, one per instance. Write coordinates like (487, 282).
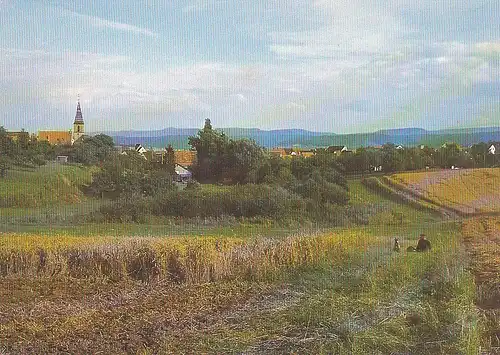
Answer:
(53, 184)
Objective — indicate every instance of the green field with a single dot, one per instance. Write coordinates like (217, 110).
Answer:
(46, 186)
(243, 287)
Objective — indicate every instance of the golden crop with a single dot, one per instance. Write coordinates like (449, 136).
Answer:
(474, 190)
(176, 259)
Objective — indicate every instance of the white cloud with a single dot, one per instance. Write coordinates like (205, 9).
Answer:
(201, 5)
(488, 47)
(103, 23)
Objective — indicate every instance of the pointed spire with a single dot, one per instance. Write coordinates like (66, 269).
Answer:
(78, 116)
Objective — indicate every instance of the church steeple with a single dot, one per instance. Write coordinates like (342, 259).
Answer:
(78, 116)
(78, 125)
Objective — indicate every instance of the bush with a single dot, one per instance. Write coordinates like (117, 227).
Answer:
(208, 202)
(130, 208)
(239, 201)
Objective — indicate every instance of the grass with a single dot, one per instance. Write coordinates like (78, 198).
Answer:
(373, 301)
(408, 201)
(44, 186)
(482, 239)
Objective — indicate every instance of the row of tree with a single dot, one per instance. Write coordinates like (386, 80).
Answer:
(392, 159)
(29, 152)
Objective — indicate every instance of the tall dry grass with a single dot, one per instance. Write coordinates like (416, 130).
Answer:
(177, 260)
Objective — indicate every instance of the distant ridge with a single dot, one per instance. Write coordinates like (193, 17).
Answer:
(403, 131)
(178, 137)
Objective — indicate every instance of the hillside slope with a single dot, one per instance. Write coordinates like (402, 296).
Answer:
(47, 185)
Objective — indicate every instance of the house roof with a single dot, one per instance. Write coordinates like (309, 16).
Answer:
(182, 171)
(54, 137)
(335, 148)
(185, 157)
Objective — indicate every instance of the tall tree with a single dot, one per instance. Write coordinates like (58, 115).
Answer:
(211, 147)
(170, 160)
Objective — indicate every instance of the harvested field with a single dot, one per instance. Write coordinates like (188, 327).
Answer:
(471, 191)
(338, 292)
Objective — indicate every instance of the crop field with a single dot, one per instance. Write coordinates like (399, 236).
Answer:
(470, 191)
(246, 289)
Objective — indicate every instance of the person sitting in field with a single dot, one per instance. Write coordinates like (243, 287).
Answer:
(423, 244)
(396, 247)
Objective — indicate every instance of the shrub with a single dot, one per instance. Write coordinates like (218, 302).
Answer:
(239, 201)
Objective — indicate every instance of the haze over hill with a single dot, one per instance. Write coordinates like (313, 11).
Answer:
(178, 137)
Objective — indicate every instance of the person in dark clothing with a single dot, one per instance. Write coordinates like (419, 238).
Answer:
(396, 247)
(423, 244)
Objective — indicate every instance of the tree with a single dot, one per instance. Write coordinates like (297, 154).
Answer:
(211, 147)
(92, 150)
(170, 160)
(23, 140)
(450, 155)
(393, 159)
(7, 146)
(244, 158)
(478, 153)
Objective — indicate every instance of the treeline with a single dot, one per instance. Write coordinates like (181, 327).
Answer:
(23, 152)
(232, 178)
(28, 152)
(392, 159)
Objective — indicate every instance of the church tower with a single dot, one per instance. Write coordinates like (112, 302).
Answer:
(78, 126)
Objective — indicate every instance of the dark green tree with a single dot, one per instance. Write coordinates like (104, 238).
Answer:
(211, 149)
(244, 158)
(170, 160)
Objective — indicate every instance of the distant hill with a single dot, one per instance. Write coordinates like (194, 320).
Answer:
(178, 137)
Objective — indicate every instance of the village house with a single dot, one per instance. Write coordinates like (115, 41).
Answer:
(182, 174)
(278, 152)
(337, 149)
(494, 148)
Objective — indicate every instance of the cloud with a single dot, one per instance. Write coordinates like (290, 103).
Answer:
(338, 65)
(99, 22)
(202, 5)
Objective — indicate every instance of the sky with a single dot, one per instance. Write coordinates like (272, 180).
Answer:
(341, 66)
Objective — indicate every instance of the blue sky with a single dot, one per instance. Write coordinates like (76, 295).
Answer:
(340, 66)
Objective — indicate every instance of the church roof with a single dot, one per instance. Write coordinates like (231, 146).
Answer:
(78, 116)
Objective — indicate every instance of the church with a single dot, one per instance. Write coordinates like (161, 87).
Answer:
(66, 137)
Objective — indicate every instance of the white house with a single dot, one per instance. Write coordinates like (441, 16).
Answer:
(140, 149)
(182, 174)
(337, 149)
